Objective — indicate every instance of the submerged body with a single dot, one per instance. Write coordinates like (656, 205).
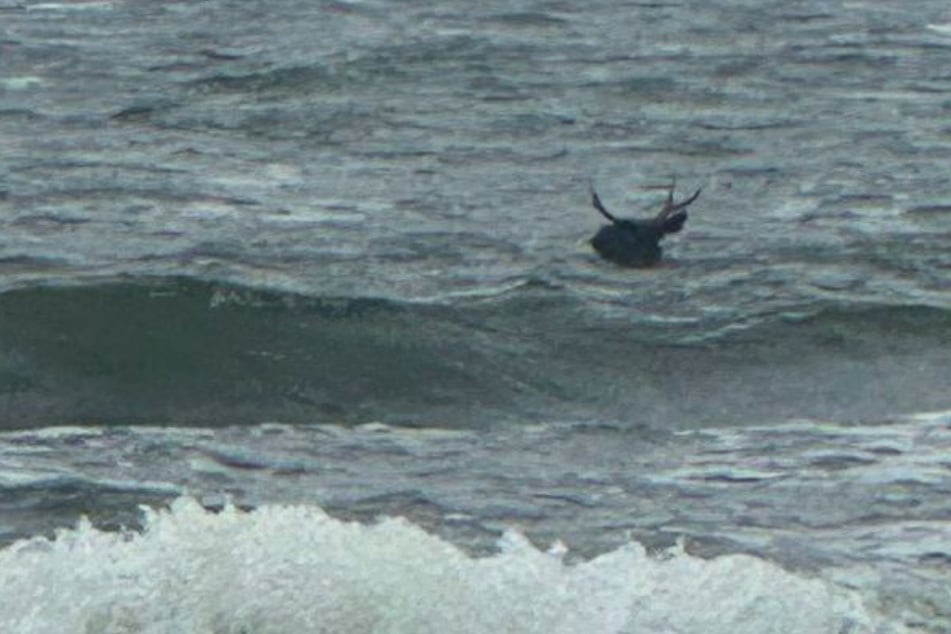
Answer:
(629, 243)
(636, 242)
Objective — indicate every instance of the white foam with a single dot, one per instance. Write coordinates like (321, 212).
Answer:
(297, 570)
(21, 83)
(93, 5)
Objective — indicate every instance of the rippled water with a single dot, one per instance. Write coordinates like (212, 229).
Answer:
(447, 149)
(333, 254)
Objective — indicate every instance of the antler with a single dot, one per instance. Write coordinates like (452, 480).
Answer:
(600, 206)
(669, 207)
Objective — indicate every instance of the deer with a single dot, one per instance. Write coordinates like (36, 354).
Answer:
(635, 243)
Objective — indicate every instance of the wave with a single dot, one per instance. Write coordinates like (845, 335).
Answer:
(296, 569)
(190, 351)
(184, 350)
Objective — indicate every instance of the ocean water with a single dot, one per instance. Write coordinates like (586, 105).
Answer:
(300, 330)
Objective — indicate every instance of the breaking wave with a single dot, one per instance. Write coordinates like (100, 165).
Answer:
(296, 569)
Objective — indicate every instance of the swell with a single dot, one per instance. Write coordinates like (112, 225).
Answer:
(186, 351)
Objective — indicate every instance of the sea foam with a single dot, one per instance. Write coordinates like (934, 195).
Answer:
(294, 569)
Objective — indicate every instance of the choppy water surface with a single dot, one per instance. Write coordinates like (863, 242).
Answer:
(233, 234)
(444, 149)
(440, 155)
(861, 508)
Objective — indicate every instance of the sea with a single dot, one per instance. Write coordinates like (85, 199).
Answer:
(301, 332)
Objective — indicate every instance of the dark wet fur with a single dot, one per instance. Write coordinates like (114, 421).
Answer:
(636, 242)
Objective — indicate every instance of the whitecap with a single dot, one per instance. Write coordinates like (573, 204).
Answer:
(943, 29)
(94, 5)
(21, 83)
(296, 569)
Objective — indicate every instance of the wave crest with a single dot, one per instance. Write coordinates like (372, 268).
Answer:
(296, 569)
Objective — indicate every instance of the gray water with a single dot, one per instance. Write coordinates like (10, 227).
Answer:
(333, 254)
